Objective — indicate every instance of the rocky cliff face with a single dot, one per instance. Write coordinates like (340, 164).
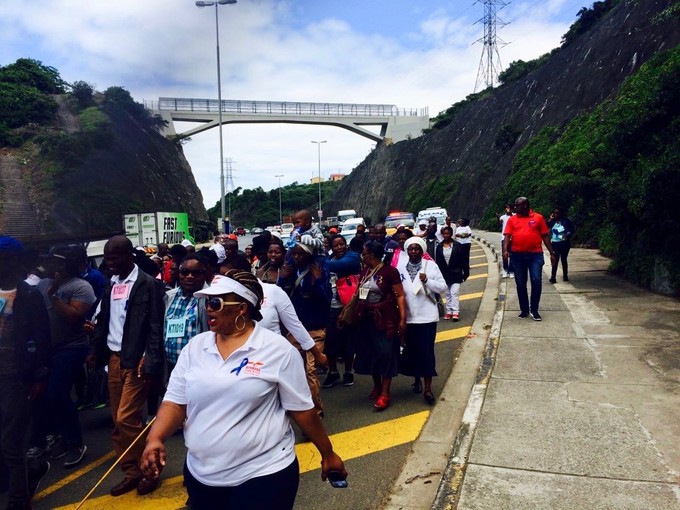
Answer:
(134, 170)
(574, 80)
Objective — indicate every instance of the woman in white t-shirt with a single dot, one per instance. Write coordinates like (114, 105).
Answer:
(463, 237)
(234, 388)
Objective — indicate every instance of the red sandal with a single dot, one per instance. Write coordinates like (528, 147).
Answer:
(375, 393)
(382, 403)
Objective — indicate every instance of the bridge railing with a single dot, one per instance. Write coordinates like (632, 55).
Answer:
(232, 106)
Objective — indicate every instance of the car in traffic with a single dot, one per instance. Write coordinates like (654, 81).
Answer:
(256, 231)
(240, 231)
(349, 228)
(287, 229)
(396, 218)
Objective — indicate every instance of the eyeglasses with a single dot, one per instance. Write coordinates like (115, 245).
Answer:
(217, 303)
(193, 272)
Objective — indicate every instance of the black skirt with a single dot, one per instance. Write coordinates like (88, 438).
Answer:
(417, 359)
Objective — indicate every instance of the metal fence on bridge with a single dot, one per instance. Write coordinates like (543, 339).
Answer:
(281, 107)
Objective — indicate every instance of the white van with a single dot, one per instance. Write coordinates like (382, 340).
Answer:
(346, 214)
(349, 229)
(433, 212)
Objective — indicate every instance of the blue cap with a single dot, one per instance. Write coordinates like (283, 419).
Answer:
(11, 245)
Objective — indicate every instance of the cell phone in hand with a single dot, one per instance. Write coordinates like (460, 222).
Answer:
(337, 480)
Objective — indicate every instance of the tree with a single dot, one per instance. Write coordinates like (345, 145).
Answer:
(32, 73)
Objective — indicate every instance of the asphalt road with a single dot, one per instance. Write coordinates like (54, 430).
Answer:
(374, 445)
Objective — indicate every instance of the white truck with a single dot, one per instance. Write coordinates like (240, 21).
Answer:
(344, 215)
(145, 229)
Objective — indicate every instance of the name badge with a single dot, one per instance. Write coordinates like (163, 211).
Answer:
(2, 303)
(175, 328)
(120, 291)
(363, 293)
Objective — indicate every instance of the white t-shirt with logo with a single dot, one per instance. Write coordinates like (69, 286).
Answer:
(237, 427)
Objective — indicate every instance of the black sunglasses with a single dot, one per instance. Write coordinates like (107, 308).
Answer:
(193, 272)
(217, 303)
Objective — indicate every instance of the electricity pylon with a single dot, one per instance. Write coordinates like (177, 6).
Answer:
(490, 62)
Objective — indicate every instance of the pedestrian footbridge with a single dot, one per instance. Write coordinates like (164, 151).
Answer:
(395, 124)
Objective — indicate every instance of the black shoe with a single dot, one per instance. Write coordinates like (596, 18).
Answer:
(523, 315)
(416, 387)
(35, 477)
(58, 449)
(553, 280)
(347, 379)
(331, 380)
(74, 456)
(429, 397)
(565, 279)
(536, 316)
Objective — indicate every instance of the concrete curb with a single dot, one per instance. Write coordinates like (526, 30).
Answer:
(448, 492)
(428, 467)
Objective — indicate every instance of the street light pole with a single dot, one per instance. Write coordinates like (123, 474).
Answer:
(280, 215)
(219, 99)
(318, 144)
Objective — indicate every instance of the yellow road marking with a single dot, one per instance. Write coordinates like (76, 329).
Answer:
(349, 445)
(485, 264)
(73, 476)
(477, 276)
(478, 257)
(474, 295)
(452, 334)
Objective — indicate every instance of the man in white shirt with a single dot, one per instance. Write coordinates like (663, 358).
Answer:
(129, 339)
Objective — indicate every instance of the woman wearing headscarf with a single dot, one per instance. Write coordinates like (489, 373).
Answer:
(421, 279)
(382, 323)
(234, 389)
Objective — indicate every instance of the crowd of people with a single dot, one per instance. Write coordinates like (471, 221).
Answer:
(223, 344)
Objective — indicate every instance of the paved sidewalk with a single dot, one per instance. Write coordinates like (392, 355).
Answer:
(579, 411)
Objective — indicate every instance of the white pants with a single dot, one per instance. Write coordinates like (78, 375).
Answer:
(453, 298)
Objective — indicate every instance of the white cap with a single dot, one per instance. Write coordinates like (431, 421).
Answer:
(186, 242)
(221, 285)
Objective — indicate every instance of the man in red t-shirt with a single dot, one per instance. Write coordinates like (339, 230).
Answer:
(525, 231)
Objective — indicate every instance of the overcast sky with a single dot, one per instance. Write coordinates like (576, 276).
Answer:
(414, 54)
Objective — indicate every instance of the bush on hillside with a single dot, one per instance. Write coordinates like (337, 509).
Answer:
(586, 18)
(618, 171)
(83, 93)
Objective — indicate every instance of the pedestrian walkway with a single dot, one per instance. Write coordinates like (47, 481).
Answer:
(579, 411)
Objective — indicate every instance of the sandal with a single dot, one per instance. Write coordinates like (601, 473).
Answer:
(429, 397)
(382, 403)
(375, 393)
(417, 388)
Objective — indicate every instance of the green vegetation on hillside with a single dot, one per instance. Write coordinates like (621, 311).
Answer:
(256, 207)
(26, 87)
(421, 195)
(618, 171)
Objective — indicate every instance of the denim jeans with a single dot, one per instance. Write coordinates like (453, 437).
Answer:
(66, 364)
(531, 263)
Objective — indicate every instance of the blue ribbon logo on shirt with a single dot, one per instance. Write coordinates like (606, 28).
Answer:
(244, 362)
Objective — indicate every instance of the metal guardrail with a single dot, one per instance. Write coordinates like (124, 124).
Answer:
(233, 106)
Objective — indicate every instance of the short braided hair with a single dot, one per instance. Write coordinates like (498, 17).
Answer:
(250, 282)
